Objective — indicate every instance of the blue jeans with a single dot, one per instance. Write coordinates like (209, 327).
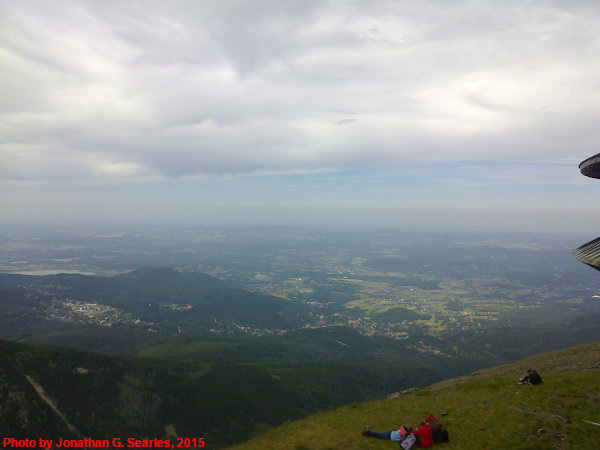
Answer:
(384, 435)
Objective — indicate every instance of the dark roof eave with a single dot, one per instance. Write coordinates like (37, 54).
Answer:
(591, 166)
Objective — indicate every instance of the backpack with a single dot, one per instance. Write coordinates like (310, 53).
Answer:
(425, 435)
(437, 431)
(433, 422)
(409, 442)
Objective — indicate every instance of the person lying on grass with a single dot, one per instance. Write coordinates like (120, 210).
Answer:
(394, 435)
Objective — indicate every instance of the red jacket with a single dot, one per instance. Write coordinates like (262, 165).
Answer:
(424, 433)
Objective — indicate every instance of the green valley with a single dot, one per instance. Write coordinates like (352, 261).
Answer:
(257, 327)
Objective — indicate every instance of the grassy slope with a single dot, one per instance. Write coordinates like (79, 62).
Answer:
(486, 409)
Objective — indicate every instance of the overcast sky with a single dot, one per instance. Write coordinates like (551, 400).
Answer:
(349, 113)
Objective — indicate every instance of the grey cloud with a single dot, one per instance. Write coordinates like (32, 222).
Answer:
(342, 122)
(176, 89)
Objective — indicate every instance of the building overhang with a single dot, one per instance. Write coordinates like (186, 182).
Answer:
(589, 253)
(591, 166)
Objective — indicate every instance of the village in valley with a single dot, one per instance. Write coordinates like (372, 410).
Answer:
(381, 313)
(405, 287)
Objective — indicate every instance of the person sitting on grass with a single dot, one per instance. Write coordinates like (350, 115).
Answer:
(394, 435)
(531, 377)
